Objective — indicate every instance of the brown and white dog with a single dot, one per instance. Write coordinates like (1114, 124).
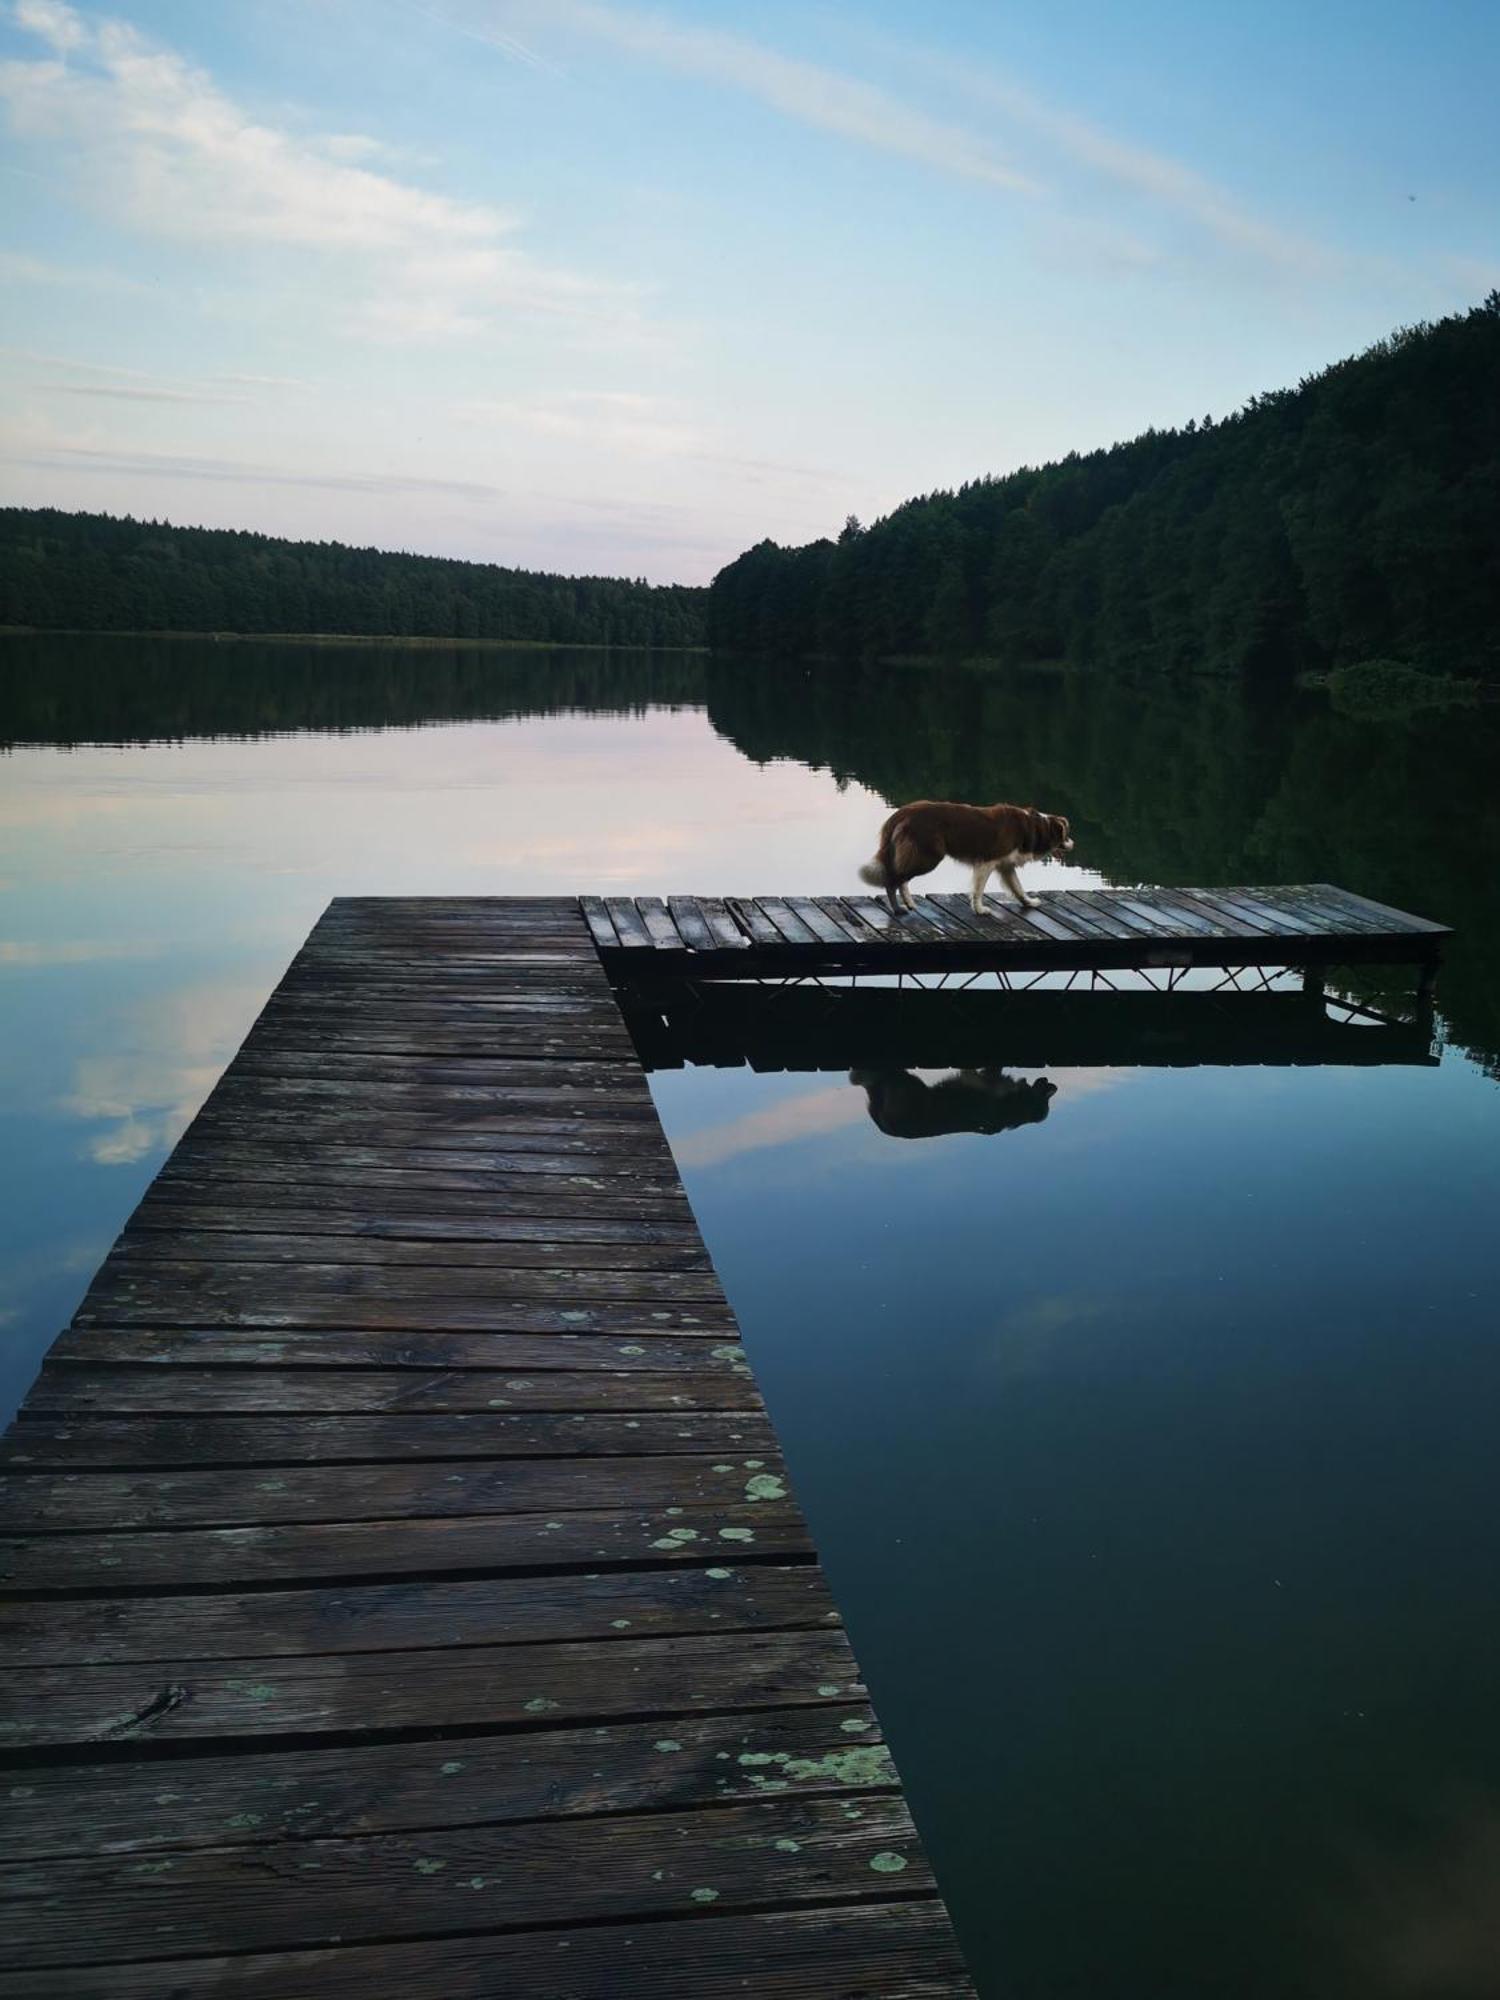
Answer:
(917, 837)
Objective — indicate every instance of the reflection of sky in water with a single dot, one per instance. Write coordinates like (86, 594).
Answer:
(150, 898)
(1130, 1440)
(1150, 1444)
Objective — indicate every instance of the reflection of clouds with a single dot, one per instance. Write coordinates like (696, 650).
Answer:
(148, 1093)
(1028, 1339)
(804, 1117)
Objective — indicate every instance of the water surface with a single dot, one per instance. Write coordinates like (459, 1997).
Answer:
(1150, 1441)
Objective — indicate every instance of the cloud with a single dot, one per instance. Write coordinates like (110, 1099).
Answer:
(160, 147)
(812, 94)
(870, 115)
(1169, 183)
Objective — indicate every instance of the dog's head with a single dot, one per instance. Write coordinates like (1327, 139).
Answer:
(1051, 832)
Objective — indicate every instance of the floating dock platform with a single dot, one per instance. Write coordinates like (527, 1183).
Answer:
(406, 1594)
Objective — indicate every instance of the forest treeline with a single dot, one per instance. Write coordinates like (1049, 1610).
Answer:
(103, 573)
(1350, 518)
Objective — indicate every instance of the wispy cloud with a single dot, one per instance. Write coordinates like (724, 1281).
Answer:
(158, 145)
(1170, 184)
(1030, 153)
(814, 95)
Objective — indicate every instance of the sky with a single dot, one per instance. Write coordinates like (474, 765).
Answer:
(612, 289)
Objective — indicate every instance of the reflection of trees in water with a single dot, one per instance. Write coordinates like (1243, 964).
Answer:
(1176, 782)
(904, 1106)
(59, 689)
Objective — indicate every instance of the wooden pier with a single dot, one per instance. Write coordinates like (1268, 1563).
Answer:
(747, 937)
(406, 1592)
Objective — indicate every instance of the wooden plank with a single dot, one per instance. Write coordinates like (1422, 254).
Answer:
(727, 934)
(1396, 920)
(457, 1687)
(691, 924)
(903, 930)
(1226, 904)
(272, 1246)
(617, 1076)
(344, 1621)
(752, 920)
(114, 1808)
(850, 1951)
(1219, 923)
(691, 1350)
(659, 925)
(381, 1219)
(787, 924)
(330, 1552)
(628, 924)
(166, 1293)
(601, 925)
(32, 1503)
(441, 1881)
(78, 1443)
(309, 1391)
(824, 926)
(1092, 919)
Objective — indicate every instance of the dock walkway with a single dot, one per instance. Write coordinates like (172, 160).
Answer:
(406, 1592)
(744, 937)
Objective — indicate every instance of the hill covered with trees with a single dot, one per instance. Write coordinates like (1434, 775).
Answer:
(1351, 518)
(100, 573)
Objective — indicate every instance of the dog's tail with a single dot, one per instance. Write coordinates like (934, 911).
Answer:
(879, 870)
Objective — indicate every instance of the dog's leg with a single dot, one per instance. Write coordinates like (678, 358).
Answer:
(907, 897)
(1013, 882)
(982, 873)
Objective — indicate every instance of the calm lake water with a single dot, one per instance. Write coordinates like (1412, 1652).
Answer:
(1151, 1444)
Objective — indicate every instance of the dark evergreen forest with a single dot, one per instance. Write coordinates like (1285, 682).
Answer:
(99, 573)
(1354, 517)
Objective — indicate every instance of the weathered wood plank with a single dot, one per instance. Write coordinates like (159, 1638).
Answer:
(657, 919)
(128, 1293)
(752, 920)
(116, 1808)
(80, 1442)
(588, 1239)
(849, 1951)
(188, 1243)
(703, 1351)
(349, 1620)
(370, 1392)
(601, 927)
(118, 1501)
(451, 1539)
(440, 1881)
(690, 923)
(727, 934)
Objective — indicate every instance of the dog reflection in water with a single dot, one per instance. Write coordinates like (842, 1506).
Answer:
(971, 1100)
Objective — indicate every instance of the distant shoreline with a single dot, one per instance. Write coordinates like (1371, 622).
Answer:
(341, 639)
